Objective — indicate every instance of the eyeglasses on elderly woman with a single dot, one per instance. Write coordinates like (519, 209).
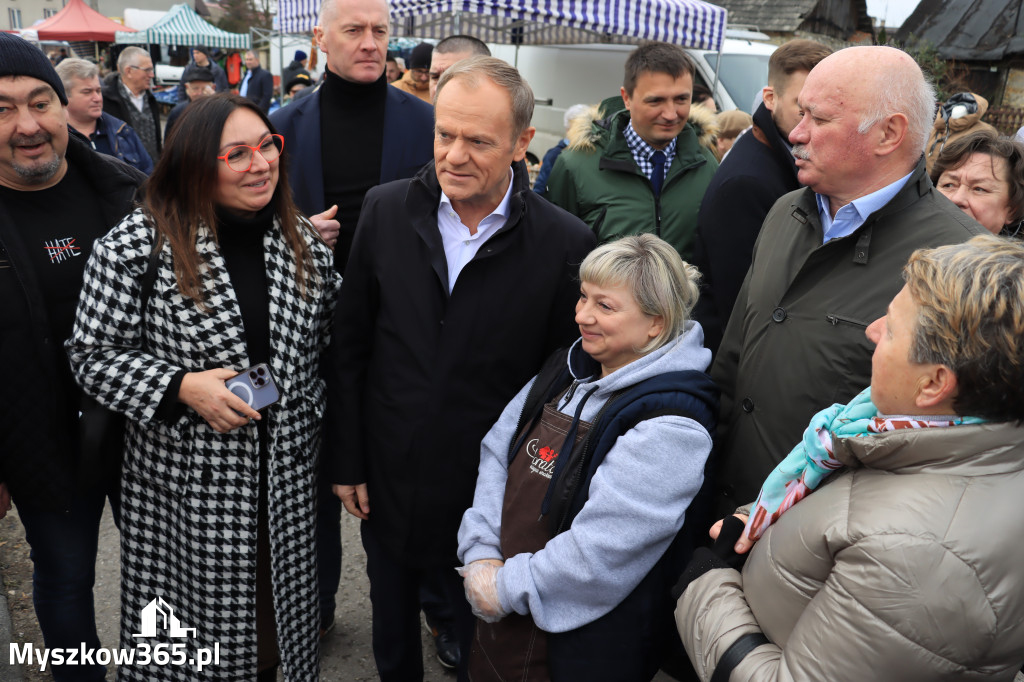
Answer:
(239, 157)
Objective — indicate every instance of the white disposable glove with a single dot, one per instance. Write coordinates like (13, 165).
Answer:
(480, 580)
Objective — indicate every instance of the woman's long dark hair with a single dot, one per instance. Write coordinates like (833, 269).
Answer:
(180, 195)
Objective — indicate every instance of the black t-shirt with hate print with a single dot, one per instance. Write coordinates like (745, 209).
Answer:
(57, 227)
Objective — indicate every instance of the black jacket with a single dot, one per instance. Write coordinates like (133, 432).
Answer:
(758, 170)
(418, 376)
(38, 423)
(291, 71)
(261, 88)
(115, 105)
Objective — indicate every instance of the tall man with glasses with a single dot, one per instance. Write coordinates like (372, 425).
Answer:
(126, 95)
(57, 196)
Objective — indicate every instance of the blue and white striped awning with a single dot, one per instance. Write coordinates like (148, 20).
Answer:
(690, 23)
(182, 26)
(296, 16)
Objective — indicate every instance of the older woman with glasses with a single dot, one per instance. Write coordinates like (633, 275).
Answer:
(216, 273)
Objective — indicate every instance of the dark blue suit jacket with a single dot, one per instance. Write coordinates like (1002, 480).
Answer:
(408, 143)
(261, 88)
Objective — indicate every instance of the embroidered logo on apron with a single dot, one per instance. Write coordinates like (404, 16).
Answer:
(542, 460)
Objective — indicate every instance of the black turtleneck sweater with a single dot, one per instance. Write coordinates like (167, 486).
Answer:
(241, 245)
(352, 136)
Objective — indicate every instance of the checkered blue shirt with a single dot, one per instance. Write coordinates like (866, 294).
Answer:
(642, 151)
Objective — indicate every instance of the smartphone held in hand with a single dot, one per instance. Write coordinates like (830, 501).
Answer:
(255, 386)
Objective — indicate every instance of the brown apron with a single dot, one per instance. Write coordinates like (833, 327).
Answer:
(514, 648)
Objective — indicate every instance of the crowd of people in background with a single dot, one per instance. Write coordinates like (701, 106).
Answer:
(734, 396)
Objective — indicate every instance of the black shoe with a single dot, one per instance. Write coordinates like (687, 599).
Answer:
(447, 647)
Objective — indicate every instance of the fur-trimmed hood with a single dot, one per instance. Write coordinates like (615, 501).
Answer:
(589, 130)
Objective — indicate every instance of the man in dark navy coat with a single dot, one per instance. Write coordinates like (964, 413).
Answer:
(353, 132)
(257, 84)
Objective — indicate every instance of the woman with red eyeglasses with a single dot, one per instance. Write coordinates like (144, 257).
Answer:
(202, 319)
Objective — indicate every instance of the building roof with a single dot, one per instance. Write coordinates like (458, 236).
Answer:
(968, 30)
(836, 18)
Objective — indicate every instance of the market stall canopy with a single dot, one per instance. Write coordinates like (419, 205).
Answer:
(141, 19)
(690, 23)
(968, 30)
(182, 26)
(296, 16)
(78, 21)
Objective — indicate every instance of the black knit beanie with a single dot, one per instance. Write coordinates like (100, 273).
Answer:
(21, 58)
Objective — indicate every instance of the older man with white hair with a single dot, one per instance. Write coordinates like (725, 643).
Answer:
(126, 95)
(829, 258)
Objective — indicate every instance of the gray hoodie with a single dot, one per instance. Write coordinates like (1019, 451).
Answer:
(637, 502)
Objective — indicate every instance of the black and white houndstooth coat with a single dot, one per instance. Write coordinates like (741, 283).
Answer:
(190, 494)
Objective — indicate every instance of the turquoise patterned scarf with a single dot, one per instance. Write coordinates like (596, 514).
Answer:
(811, 461)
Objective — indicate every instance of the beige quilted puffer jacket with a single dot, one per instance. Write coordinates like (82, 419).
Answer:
(908, 566)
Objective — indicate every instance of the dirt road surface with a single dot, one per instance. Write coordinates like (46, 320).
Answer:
(346, 655)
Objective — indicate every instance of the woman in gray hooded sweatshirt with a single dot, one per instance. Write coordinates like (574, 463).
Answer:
(587, 477)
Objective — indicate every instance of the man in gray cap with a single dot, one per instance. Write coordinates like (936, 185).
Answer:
(57, 196)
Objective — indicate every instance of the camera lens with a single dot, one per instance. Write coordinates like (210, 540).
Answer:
(252, 375)
(260, 371)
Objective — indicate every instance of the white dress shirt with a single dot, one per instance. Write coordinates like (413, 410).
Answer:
(460, 246)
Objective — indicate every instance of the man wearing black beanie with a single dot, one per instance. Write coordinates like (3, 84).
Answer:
(57, 196)
(416, 79)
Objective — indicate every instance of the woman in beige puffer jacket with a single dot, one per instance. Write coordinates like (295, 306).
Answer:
(908, 565)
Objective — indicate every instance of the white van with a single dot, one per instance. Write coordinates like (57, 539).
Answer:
(564, 75)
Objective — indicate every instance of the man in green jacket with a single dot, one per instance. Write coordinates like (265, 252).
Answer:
(829, 258)
(642, 169)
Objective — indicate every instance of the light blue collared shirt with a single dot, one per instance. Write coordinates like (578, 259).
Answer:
(460, 246)
(850, 217)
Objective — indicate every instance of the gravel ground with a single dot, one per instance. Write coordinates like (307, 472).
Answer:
(346, 655)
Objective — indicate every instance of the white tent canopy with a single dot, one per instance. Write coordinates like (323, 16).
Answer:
(141, 19)
(182, 26)
(691, 23)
